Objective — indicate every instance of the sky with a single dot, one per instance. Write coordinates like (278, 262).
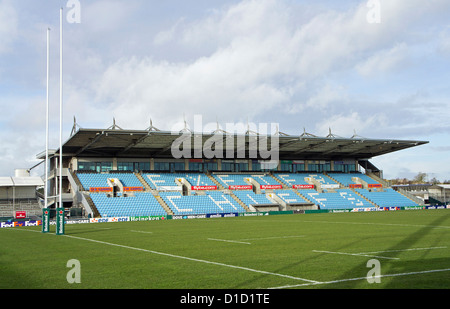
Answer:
(377, 68)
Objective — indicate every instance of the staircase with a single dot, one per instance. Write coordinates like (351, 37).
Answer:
(76, 180)
(385, 183)
(362, 196)
(304, 197)
(164, 205)
(341, 185)
(94, 209)
(239, 201)
(214, 180)
(279, 181)
(413, 198)
(144, 183)
(82, 197)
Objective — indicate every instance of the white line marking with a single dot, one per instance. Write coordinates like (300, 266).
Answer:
(363, 278)
(21, 229)
(141, 232)
(191, 259)
(357, 254)
(233, 241)
(412, 249)
(260, 238)
(384, 224)
(188, 258)
(274, 237)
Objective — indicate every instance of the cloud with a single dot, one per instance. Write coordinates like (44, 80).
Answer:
(384, 61)
(314, 64)
(8, 25)
(166, 36)
(347, 124)
(107, 16)
(257, 57)
(444, 42)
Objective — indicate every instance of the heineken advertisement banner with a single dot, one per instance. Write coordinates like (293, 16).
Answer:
(148, 218)
(45, 220)
(60, 221)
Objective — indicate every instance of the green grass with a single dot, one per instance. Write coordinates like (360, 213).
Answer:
(291, 251)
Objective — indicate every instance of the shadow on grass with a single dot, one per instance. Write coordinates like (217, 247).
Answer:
(407, 242)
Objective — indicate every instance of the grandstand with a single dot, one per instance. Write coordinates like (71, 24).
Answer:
(18, 195)
(116, 173)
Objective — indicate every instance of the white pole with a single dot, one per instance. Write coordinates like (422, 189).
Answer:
(46, 124)
(60, 104)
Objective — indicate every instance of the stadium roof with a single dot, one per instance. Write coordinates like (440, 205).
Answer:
(115, 142)
(21, 181)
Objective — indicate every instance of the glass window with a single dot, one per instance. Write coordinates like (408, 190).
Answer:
(313, 167)
(228, 166)
(196, 166)
(256, 166)
(241, 167)
(341, 166)
(95, 166)
(142, 166)
(298, 168)
(162, 166)
(350, 168)
(165, 166)
(325, 167)
(286, 167)
(178, 166)
(125, 166)
(211, 166)
(106, 167)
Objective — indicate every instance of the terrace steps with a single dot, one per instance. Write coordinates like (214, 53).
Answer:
(144, 183)
(164, 205)
(219, 185)
(279, 181)
(365, 198)
(239, 201)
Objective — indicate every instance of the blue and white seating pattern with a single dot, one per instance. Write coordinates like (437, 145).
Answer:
(347, 179)
(293, 179)
(264, 179)
(168, 180)
(142, 204)
(213, 202)
(290, 197)
(198, 180)
(92, 180)
(228, 180)
(161, 180)
(387, 198)
(342, 199)
(323, 179)
(145, 204)
(248, 197)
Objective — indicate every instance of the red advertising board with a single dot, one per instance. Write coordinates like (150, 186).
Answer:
(21, 214)
(203, 188)
(129, 189)
(100, 189)
(303, 186)
(271, 187)
(374, 185)
(355, 185)
(240, 187)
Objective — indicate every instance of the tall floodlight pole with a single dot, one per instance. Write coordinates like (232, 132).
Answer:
(60, 104)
